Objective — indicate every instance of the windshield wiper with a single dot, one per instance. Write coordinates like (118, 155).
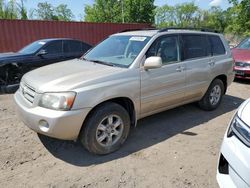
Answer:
(102, 62)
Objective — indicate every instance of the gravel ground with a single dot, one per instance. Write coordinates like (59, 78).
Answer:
(176, 148)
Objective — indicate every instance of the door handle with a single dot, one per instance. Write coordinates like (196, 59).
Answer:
(180, 69)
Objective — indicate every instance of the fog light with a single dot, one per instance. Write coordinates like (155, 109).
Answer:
(44, 125)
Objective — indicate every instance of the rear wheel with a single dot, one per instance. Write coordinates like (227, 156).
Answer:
(212, 99)
(106, 129)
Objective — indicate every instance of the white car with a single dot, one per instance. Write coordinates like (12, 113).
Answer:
(234, 161)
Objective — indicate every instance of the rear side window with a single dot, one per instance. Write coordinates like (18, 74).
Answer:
(54, 47)
(217, 46)
(72, 46)
(195, 46)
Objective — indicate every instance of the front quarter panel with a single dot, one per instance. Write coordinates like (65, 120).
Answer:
(125, 84)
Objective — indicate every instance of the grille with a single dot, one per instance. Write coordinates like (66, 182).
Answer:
(28, 92)
(242, 64)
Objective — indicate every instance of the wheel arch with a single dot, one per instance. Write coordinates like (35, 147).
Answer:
(125, 102)
(223, 78)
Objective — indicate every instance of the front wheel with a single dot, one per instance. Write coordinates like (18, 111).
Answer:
(212, 98)
(106, 129)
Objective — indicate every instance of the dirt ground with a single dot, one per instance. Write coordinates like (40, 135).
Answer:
(176, 148)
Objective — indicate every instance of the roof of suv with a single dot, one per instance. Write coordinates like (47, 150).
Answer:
(150, 33)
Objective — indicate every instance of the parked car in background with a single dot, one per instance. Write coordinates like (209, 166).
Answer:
(126, 77)
(241, 55)
(234, 164)
(36, 54)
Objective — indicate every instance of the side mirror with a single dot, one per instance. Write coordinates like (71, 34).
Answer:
(41, 53)
(153, 62)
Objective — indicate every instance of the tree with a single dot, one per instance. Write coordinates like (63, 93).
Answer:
(8, 10)
(137, 11)
(214, 18)
(12, 10)
(103, 11)
(63, 13)
(239, 17)
(165, 16)
(45, 11)
(1, 9)
(180, 15)
(22, 10)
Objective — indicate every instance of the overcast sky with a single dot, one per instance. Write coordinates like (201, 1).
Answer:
(77, 6)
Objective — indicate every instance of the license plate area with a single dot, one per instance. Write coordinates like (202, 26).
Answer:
(239, 72)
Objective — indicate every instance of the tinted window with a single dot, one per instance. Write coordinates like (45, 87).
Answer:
(195, 46)
(33, 47)
(72, 46)
(165, 47)
(85, 47)
(216, 45)
(54, 47)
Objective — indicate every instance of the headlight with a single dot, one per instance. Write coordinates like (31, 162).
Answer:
(240, 129)
(57, 101)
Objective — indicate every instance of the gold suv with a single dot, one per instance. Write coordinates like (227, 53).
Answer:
(126, 77)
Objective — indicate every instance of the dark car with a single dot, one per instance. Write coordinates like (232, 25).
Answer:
(36, 54)
(241, 55)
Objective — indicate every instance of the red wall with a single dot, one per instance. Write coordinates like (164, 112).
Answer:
(15, 34)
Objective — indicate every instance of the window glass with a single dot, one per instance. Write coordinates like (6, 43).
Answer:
(165, 47)
(72, 46)
(85, 47)
(118, 50)
(195, 46)
(33, 47)
(216, 45)
(54, 47)
(245, 44)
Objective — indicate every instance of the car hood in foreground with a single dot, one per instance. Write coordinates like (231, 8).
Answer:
(244, 112)
(68, 75)
(241, 55)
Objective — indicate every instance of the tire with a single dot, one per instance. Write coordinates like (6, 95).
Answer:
(106, 129)
(212, 98)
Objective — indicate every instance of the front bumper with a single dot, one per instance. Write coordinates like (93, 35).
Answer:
(241, 72)
(235, 170)
(64, 125)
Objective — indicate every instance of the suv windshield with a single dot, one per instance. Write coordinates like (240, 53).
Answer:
(32, 48)
(118, 50)
(245, 44)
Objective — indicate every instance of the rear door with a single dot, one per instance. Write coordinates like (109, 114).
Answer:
(196, 52)
(219, 62)
(163, 87)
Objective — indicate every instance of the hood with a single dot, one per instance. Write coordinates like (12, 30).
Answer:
(68, 75)
(241, 55)
(244, 112)
(10, 56)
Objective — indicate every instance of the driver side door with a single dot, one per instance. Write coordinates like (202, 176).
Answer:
(164, 87)
(54, 53)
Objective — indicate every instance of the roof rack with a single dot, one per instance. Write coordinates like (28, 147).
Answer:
(139, 29)
(188, 28)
